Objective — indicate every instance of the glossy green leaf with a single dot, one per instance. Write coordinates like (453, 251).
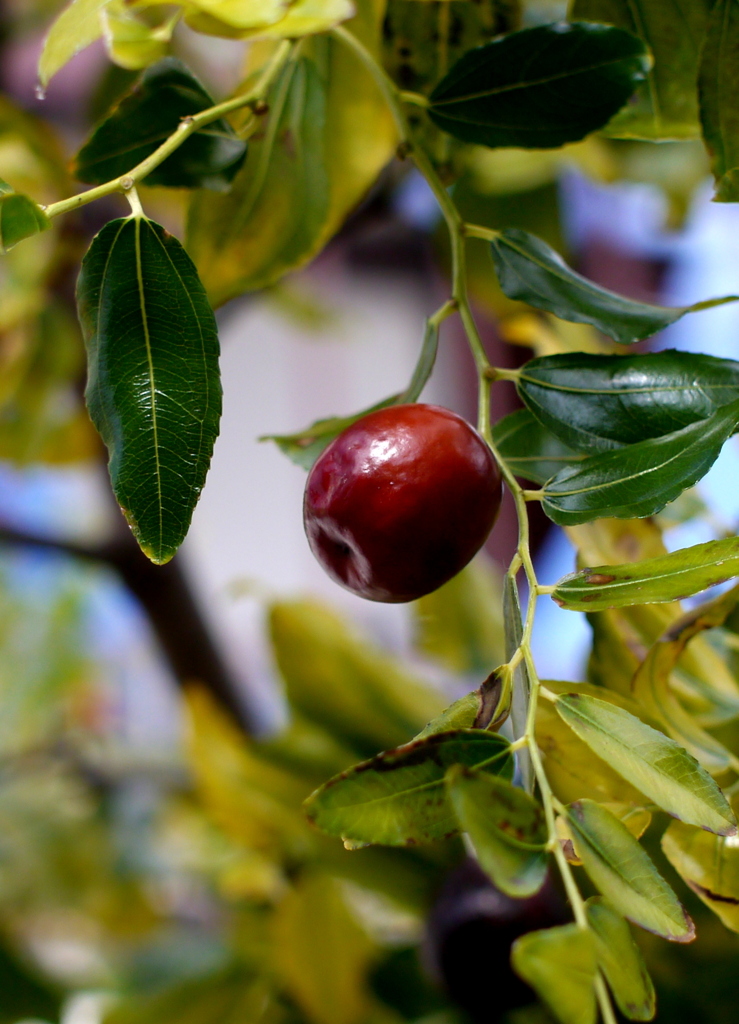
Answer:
(343, 683)
(531, 271)
(666, 105)
(671, 577)
(709, 864)
(20, 217)
(146, 117)
(560, 965)
(718, 82)
(621, 961)
(153, 387)
(596, 403)
(531, 451)
(506, 827)
(639, 479)
(398, 798)
(622, 871)
(652, 762)
(540, 87)
(513, 626)
(304, 447)
(460, 625)
(77, 26)
(320, 148)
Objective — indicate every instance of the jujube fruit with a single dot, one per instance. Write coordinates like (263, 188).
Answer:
(400, 501)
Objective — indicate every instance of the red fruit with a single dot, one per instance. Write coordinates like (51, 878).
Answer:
(401, 501)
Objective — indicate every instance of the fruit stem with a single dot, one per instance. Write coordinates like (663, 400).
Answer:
(186, 127)
(416, 98)
(478, 231)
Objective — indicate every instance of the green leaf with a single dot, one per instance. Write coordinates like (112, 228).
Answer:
(718, 81)
(530, 450)
(326, 138)
(20, 217)
(398, 798)
(621, 961)
(460, 625)
(666, 105)
(338, 680)
(153, 387)
(652, 762)
(540, 87)
(304, 447)
(506, 827)
(134, 40)
(513, 626)
(622, 871)
(596, 403)
(639, 479)
(709, 864)
(671, 577)
(560, 965)
(147, 116)
(76, 27)
(531, 271)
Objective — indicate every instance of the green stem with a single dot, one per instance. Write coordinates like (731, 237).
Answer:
(185, 129)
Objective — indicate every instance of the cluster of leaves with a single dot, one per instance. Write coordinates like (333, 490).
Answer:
(274, 171)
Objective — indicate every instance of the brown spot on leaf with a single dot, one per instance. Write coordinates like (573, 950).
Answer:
(600, 578)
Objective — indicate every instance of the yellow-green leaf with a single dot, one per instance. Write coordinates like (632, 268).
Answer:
(327, 136)
(20, 217)
(76, 27)
(321, 953)
(398, 798)
(669, 577)
(621, 961)
(506, 827)
(132, 41)
(709, 864)
(573, 767)
(651, 683)
(624, 874)
(560, 965)
(461, 623)
(341, 682)
(657, 765)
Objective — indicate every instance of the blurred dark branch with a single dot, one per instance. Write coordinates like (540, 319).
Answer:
(167, 598)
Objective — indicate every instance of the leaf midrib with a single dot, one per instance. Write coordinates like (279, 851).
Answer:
(152, 385)
(530, 84)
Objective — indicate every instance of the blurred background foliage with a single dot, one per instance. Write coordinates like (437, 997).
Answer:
(180, 882)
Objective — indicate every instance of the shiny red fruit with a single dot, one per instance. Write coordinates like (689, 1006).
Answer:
(401, 501)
